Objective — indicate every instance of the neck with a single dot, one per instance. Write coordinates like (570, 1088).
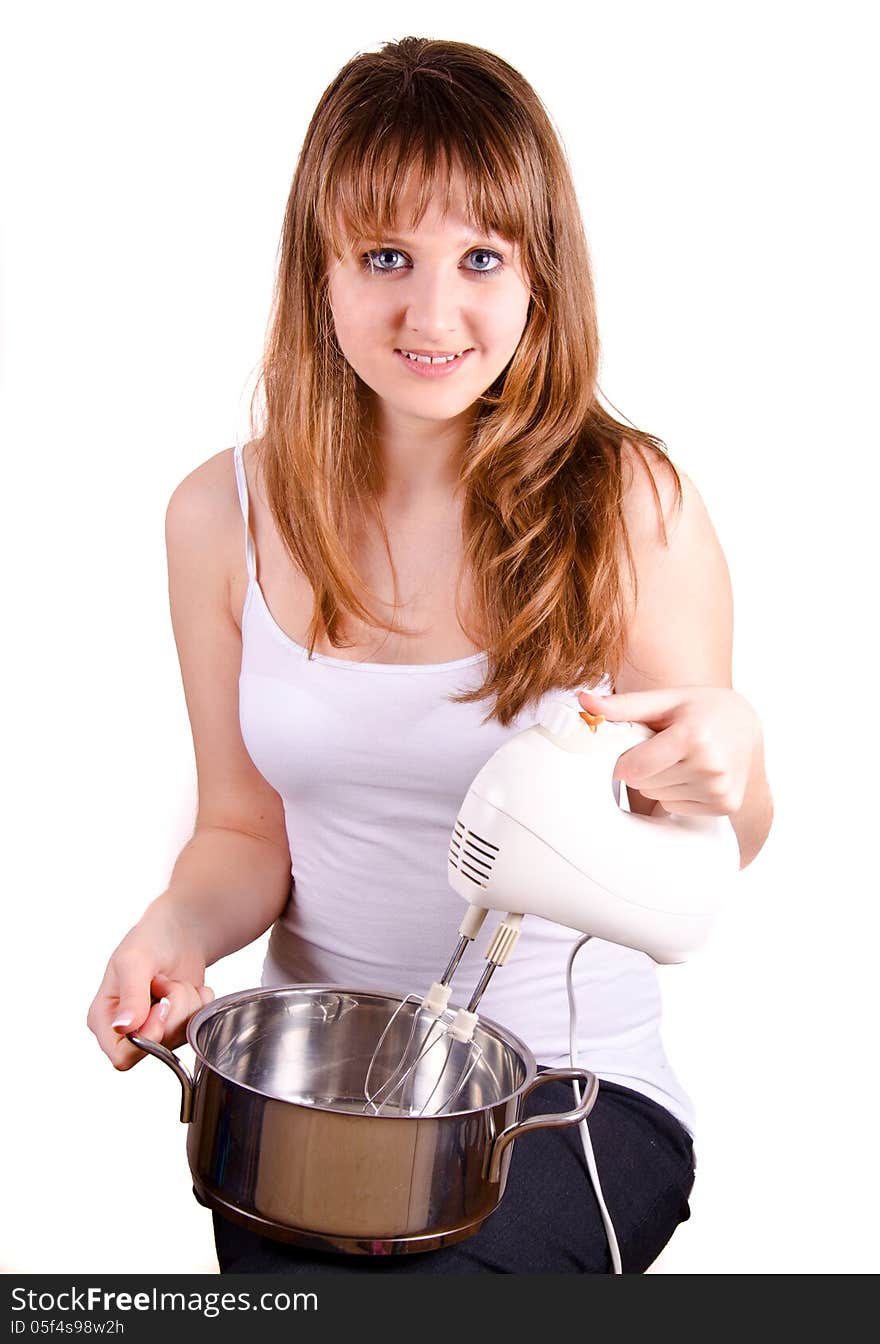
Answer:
(420, 460)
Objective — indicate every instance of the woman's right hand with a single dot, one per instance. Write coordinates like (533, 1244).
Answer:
(153, 984)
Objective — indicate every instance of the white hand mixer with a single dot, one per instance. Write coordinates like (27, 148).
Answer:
(540, 832)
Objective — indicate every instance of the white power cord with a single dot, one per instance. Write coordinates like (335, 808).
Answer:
(584, 1132)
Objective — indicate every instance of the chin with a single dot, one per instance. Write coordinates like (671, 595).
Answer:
(440, 409)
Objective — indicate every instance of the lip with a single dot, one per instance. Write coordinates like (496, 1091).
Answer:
(433, 370)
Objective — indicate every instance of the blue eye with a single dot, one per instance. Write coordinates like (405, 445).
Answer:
(486, 252)
(380, 252)
(371, 261)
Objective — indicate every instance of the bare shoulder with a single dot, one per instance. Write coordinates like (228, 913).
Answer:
(679, 623)
(663, 510)
(203, 522)
(654, 494)
(207, 498)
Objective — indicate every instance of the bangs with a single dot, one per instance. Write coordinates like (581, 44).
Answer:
(380, 164)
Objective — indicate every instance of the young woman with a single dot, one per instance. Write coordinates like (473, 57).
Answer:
(435, 529)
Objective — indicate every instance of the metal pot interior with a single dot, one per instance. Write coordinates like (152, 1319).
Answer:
(313, 1045)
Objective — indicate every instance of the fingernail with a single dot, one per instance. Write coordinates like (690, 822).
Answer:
(125, 1020)
(164, 1009)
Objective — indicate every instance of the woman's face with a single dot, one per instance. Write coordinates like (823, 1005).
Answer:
(443, 288)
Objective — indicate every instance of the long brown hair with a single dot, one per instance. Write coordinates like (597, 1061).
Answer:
(542, 475)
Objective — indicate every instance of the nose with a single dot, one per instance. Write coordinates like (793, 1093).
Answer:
(432, 304)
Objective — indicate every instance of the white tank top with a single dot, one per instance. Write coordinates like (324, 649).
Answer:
(372, 763)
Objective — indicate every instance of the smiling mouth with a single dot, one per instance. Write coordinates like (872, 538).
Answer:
(439, 357)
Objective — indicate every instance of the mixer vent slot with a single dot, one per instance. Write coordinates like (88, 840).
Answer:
(472, 855)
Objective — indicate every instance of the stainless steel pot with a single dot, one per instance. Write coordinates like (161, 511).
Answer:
(278, 1140)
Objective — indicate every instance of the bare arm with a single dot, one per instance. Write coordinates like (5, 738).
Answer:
(226, 888)
(232, 878)
(680, 632)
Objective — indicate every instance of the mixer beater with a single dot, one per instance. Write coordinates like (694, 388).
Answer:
(428, 1074)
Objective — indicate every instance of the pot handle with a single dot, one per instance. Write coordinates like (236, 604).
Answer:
(162, 1052)
(580, 1112)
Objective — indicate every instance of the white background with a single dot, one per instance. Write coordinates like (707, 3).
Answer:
(722, 160)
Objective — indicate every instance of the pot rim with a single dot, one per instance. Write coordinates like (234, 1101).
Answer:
(212, 1009)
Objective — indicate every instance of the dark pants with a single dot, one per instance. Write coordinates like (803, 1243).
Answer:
(548, 1221)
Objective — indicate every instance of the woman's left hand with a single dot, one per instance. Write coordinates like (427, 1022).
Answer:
(699, 761)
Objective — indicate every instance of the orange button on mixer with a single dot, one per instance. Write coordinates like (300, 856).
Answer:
(591, 720)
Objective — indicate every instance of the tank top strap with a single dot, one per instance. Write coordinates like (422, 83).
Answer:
(241, 482)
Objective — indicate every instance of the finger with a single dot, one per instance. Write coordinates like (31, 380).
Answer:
(162, 984)
(133, 974)
(676, 776)
(664, 751)
(182, 999)
(689, 808)
(651, 707)
(123, 1053)
(103, 1011)
(685, 807)
(157, 1026)
(699, 787)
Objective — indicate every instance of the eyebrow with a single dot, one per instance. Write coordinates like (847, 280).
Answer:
(408, 242)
